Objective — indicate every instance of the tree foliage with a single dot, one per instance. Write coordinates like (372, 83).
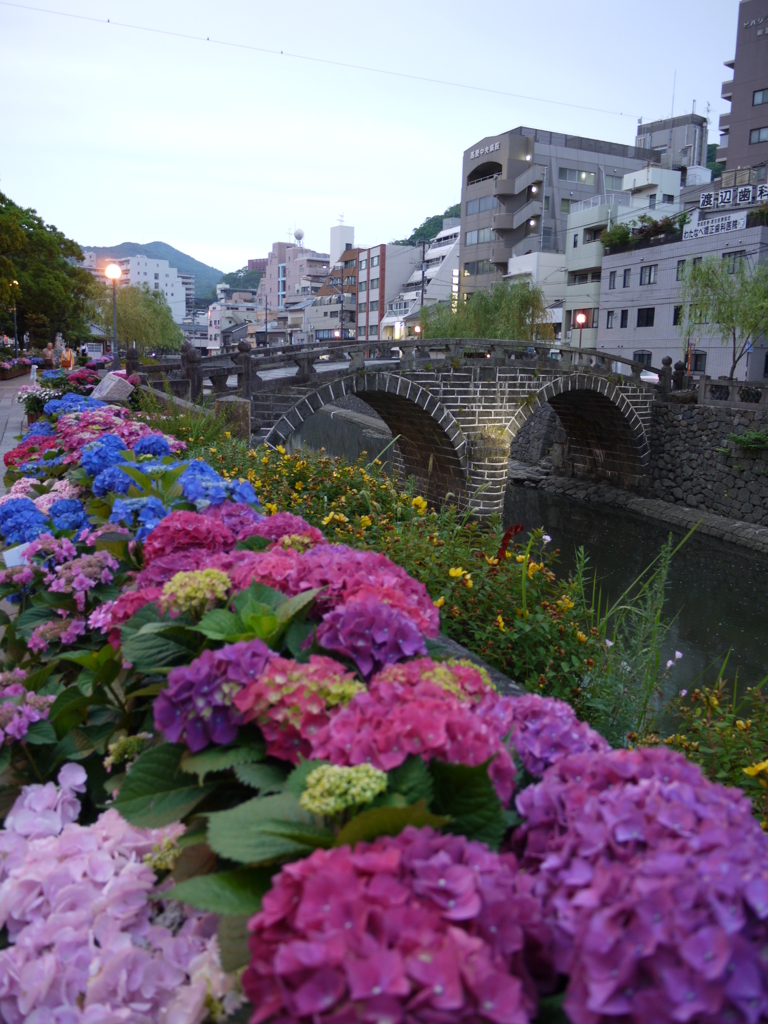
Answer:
(725, 295)
(428, 228)
(53, 294)
(515, 312)
(242, 278)
(144, 318)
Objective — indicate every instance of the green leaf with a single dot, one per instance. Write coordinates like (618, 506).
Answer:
(295, 636)
(218, 759)
(467, 796)
(253, 544)
(5, 757)
(40, 734)
(297, 780)
(269, 778)
(72, 700)
(152, 648)
(386, 821)
(30, 619)
(233, 941)
(157, 791)
(551, 1010)
(289, 609)
(257, 594)
(412, 779)
(264, 829)
(219, 624)
(226, 892)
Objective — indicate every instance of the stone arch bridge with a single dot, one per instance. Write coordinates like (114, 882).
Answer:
(455, 405)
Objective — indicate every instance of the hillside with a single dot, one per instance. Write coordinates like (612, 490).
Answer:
(205, 277)
(427, 230)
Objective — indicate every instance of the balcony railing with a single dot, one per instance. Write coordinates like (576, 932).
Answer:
(609, 199)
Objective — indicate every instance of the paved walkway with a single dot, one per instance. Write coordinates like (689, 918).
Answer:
(11, 417)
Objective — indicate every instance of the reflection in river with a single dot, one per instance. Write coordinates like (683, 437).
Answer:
(717, 593)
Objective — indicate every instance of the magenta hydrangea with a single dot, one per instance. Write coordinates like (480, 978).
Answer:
(286, 524)
(19, 707)
(197, 707)
(418, 927)
(654, 882)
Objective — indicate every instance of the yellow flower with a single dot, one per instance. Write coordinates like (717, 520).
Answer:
(265, 461)
(520, 558)
(212, 451)
(298, 485)
(420, 505)
(507, 554)
(467, 581)
(533, 568)
(491, 561)
(581, 637)
(756, 769)
(280, 449)
(457, 573)
(271, 508)
(500, 623)
(227, 435)
(439, 602)
(565, 603)
(365, 522)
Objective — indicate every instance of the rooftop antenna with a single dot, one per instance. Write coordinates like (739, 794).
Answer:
(341, 219)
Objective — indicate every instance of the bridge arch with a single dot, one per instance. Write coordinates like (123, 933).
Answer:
(605, 438)
(431, 443)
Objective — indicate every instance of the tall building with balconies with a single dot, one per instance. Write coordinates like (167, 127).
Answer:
(744, 130)
(681, 141)
(517, 190)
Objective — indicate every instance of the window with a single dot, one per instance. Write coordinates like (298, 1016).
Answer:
(480, 205)
(373, 330)
(609, 320)
(581, 278)
(596, 275)
(759, 96)
(483, 235)
(649, 273)
(565, 206)
(470, 238)
(580, 177)
(373, 307)
(362, 286)
(624, 318)
(363, 264)
(374, 261)
(733, 259)
(677, 316)
(612, 280)
(592, 235)
(645, 316)
(627, 278)
(477, 267)
(361, 307)
(575, 241)
(642, 357)
(652, 201)
(758, 135)
(373, 283)
(667, 198)
(699, 362)
(614, 182)
(680, 269)
(546, 203)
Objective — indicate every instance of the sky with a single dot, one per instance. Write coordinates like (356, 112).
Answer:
(117, 134)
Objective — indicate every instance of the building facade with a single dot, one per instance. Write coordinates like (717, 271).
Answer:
(680, 141)
(157, 275)
(436, 279)
(332, 314)
(226, 314)
(744, 130)
(291, 270)
(382, 271)
(517, 191)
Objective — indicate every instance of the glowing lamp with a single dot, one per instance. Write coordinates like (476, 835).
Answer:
(113, 272)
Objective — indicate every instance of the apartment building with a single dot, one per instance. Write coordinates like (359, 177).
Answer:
(382, 271)
(225, 314)
(291, 270)
(141, 271)
(258, 264)
(651, 191)
(518, 189)
(679, 141)
(332, 314)
(744, 130)
(436, 279)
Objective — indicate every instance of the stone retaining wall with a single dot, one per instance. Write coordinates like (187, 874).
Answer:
(536, 436)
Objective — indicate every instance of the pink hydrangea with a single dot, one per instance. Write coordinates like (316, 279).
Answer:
(22, 488)
(108, 617)
(19, 707)
(79, 576)
(64, 631)
(60, 491)
(286, 524)
(655, 884)
(419, 927)
(181, 531)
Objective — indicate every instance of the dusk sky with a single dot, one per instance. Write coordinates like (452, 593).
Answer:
(116, 134)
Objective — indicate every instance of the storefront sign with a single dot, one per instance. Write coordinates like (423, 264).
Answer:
(475, 153)
(714, 225)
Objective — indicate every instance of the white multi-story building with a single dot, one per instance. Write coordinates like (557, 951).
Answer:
(227, 314)
(157, 275)
(438, 278)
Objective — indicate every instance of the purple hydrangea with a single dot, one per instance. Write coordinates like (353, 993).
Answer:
(238, 517)
(371, 633)
(197, 706)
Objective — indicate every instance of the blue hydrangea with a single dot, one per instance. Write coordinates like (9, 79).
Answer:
(71, 402)
(40, 467)
(97, 455)
(51, 374)
(144, 513)
(68, 514)
(40, 429)
(21, 521)
(152, 445)
(157, 468)
(203, 485)
(111, 480)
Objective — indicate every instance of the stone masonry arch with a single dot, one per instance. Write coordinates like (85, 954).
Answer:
(431, 443)
(604, 435)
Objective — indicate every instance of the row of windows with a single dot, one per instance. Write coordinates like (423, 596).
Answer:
(477, 267)
(649, 274)
(596, 275)
(480, 205)
(371, 306)
(758, 135)
(363, 286)
(580, 177)
(483, 235)
(645, 317)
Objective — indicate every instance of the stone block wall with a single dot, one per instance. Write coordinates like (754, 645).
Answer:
(687, 469)
(536, 436)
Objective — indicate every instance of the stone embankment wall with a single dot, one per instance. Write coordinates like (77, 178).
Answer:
(536, 436)
(686, 467)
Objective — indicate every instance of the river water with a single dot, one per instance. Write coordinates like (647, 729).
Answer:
(717, 592)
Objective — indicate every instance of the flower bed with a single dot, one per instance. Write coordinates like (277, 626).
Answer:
(14, 368)
(293, 786)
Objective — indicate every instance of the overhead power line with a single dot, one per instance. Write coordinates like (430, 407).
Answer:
(315, 60)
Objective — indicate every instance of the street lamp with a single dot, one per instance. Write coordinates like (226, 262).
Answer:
(15, 284)
(114, 273)
(581, 319)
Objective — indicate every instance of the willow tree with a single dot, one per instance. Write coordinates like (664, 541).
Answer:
(727, 296)
(513, 312)
(144, 319)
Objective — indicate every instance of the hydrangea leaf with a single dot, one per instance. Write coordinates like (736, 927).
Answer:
(233, 937)
(159, 645)
(41, 734)
(297, 780)
(218, 759)
(257, 594)
(253, 544)
(412, 780)
(386, 821)
(467, 796)
(269, 778)
(157, 790)
(219, 624)
(264, 829)
(225, 892)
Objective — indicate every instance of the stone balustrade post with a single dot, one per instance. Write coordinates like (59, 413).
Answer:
(678, 376)
(665, 377)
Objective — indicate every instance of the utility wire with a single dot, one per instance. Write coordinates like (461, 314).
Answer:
(306, 57)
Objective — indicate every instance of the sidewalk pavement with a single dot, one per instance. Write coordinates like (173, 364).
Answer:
(11, 418)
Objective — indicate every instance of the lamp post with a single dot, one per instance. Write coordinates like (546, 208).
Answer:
(581, 319)
(114, 273)
(15, 284)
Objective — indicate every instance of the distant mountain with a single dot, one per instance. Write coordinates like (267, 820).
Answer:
(206, 278)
